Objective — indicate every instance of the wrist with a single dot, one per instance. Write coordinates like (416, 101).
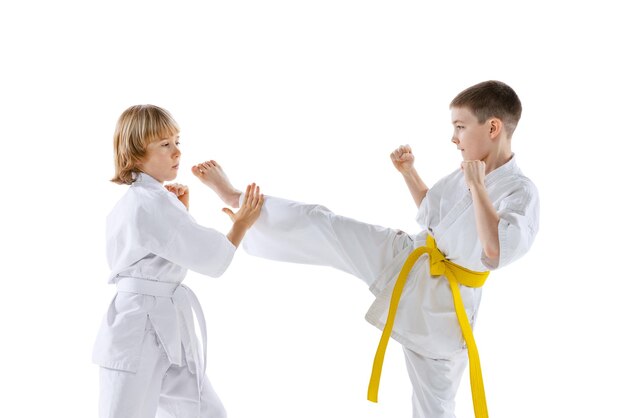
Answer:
(242, 225)
(411, 173)
(476, 187)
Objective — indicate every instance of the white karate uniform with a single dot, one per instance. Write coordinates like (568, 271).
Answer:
(426, 323)
(147, 347)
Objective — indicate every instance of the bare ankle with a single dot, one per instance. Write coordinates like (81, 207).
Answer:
(233, 198)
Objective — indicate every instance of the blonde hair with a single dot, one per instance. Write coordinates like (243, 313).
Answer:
(136, 128)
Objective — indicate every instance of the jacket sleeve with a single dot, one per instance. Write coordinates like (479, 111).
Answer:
(518, 225)
(168, 231)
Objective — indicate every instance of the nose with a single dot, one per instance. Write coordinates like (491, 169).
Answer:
(455, 140)
(176, 151)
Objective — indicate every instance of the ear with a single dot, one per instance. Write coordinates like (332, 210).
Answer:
(495, 127)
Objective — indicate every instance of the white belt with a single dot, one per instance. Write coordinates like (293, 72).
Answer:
(183, 298)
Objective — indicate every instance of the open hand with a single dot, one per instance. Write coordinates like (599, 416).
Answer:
(250, 208)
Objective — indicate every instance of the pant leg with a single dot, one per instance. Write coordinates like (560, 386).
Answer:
(435, 383)
(134, 395)
(179, 396)
(312, 234)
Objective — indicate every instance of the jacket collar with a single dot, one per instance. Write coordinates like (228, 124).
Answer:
(146, 180)
(506, 169)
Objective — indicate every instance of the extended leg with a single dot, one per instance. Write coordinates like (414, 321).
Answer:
(312, 234)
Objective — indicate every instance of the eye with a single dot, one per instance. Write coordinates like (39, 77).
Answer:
(458, 127)
(167, 144)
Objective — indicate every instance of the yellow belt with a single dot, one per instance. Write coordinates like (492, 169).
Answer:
(439, 266)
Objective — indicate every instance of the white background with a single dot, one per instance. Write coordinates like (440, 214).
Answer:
(308, 98)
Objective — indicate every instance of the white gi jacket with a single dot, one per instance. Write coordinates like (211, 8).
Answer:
(151, 237)
(426, 321)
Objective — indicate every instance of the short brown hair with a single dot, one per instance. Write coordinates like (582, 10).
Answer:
(137, 127)
(491, 99)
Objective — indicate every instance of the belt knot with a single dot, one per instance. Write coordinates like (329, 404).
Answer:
(455, 274)
(437, 259)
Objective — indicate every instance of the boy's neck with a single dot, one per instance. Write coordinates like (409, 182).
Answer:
(499, 157)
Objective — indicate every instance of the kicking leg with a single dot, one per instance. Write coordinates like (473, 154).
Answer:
(211, 174)
(312, 234)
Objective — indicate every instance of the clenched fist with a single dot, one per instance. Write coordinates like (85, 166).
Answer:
(403, 158)
(474, 172)
(180, 191)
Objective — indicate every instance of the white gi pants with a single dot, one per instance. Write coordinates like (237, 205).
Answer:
(157, 389)
(312, 234)
(435, 383)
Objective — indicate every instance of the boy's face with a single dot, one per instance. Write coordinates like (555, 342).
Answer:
(472, 138)
(162, 158)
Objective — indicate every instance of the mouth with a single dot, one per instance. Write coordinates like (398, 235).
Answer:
(175, 167)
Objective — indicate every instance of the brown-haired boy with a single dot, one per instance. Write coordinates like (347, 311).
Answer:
(482, 216)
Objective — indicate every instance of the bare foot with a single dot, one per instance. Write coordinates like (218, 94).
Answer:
(211, 174)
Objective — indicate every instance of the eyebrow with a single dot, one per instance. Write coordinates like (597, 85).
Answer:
(457, 121)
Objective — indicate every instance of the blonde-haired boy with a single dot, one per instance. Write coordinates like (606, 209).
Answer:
(149, 356)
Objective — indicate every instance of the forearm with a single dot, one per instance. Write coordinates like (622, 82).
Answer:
(416, 186)
(487, 221)
(237, 232)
